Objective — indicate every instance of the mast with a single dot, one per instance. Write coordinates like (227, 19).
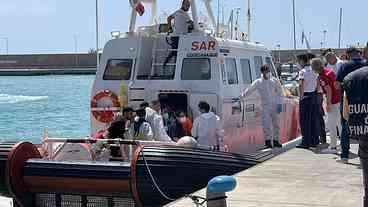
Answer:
(294, 25)
(97, 55)
(248, 20)
(194, 14)
(218, 19)
(339, 44)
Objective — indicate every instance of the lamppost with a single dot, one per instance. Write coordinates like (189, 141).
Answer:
(6, 44)
(279, 48)
(76, 49)
(324, 38)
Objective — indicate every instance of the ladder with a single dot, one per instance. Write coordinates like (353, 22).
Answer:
(159, 56)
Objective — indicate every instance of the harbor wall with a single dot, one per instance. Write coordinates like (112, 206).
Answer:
(84, 63)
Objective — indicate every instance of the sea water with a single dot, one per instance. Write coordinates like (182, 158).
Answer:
(29, 105)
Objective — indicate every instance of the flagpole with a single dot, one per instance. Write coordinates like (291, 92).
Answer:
(97, 55)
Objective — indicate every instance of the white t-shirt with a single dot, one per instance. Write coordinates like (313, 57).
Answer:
(337, 66)
(181, 19)
(310, 79)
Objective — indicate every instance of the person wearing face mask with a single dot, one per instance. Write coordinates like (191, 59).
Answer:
(175, 128)
(185, 122)
(140, 129)
(270, 91)
(156, 121)
(207, 128)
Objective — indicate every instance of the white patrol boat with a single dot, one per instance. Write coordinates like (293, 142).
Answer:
(213, 67)
(210, 66)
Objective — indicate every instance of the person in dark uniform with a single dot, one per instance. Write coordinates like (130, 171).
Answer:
(309, 108)
(356, 62)
(355, 110)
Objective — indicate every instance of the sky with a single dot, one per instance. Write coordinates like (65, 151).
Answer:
(65, 26)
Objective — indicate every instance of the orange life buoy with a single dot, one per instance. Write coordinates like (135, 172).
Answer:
(105, 114)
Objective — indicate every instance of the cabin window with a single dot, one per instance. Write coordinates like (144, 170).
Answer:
(246, 71)
(258, 62)
(232, 74)
(118, 69)
(272, 68)
(196, 69)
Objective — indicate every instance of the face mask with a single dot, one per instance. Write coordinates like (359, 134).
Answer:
(267, 75)
(166, 116)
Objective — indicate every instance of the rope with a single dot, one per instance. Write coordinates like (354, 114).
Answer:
(154, 180)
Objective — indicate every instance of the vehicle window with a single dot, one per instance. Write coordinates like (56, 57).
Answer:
(232, 74)
(196, 69)
(118, 69)
(246, 71)
(258, 62)
(272, 68)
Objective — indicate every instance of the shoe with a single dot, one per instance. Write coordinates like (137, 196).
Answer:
(330, 150)
(343, 160)
(277, 144)
(268, 144)
(302, 147)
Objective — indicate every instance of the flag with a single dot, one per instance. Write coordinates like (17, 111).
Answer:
(139, 8)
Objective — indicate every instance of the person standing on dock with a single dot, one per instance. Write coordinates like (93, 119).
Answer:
(355, 110)
(356, 62)
(309, 109)
(333, 61)
(270, 91)
(327, 79)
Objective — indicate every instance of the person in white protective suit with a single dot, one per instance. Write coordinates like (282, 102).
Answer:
(270, 90)
(155, 119)
(207, 128)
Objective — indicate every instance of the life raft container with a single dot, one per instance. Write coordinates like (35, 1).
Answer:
(105, 114)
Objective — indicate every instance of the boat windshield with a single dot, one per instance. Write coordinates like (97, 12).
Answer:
(118, 69)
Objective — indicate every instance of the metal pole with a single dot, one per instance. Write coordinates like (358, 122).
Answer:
(294, 25)
(339, 44)
(324, 38)
(97, 55)
(218, 19)
(76, 49)
(249, 16)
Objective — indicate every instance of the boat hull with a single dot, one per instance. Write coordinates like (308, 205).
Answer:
(177, 172)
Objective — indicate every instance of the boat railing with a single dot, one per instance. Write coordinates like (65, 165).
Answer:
(89, 149)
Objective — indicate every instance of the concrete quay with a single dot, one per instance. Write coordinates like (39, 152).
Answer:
(297, 178)
(38, 72)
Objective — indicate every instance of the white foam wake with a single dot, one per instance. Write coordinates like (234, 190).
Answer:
(12, 99)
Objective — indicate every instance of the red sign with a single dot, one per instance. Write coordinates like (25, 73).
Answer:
(203, 46)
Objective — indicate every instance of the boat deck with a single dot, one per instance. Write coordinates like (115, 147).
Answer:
(297, 178)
